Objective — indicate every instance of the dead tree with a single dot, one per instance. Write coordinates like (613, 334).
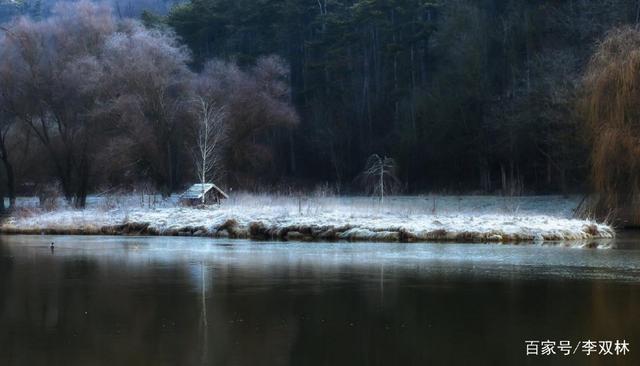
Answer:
(379, 173)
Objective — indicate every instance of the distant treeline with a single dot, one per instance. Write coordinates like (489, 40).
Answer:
(465, 95)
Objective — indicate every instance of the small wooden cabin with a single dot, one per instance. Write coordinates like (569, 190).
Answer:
(193, 195)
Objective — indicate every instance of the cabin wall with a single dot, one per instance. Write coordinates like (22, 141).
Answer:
(209, 198)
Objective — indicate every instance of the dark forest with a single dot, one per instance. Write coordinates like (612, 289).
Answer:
(464, 96)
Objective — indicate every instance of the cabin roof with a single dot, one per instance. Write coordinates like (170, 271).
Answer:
(195, 191)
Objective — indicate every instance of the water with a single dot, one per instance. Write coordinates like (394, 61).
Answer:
(191, 301)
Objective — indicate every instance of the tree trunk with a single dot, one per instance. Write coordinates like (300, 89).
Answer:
(11, 180)
(11, 183)
(2, 208)
(83, 186)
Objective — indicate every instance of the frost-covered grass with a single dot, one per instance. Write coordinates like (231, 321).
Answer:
(414, 218)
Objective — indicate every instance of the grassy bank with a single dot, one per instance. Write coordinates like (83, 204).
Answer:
(262, 217)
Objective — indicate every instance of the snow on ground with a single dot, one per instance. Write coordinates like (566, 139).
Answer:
(415, 218)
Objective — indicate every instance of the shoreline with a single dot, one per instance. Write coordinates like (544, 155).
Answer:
(325, 219)
(297, 236)
(258, 231)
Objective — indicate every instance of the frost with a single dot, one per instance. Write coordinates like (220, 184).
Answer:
(460, 219)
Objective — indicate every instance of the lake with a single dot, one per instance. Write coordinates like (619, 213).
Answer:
(197, 301)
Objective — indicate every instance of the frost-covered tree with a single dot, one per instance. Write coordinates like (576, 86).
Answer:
(149, 92)
(82, 76)
(98, 90)
(51, 77)
(210, 137)
(379, 174)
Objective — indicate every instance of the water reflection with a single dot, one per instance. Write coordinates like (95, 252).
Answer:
(174, 301)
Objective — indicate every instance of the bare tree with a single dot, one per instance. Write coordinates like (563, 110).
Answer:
(6, 126)
(96, 90)
(149, 93)
(379, 173)
(7, 122)
(257, 102)
(52, 75)
(210, 137)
